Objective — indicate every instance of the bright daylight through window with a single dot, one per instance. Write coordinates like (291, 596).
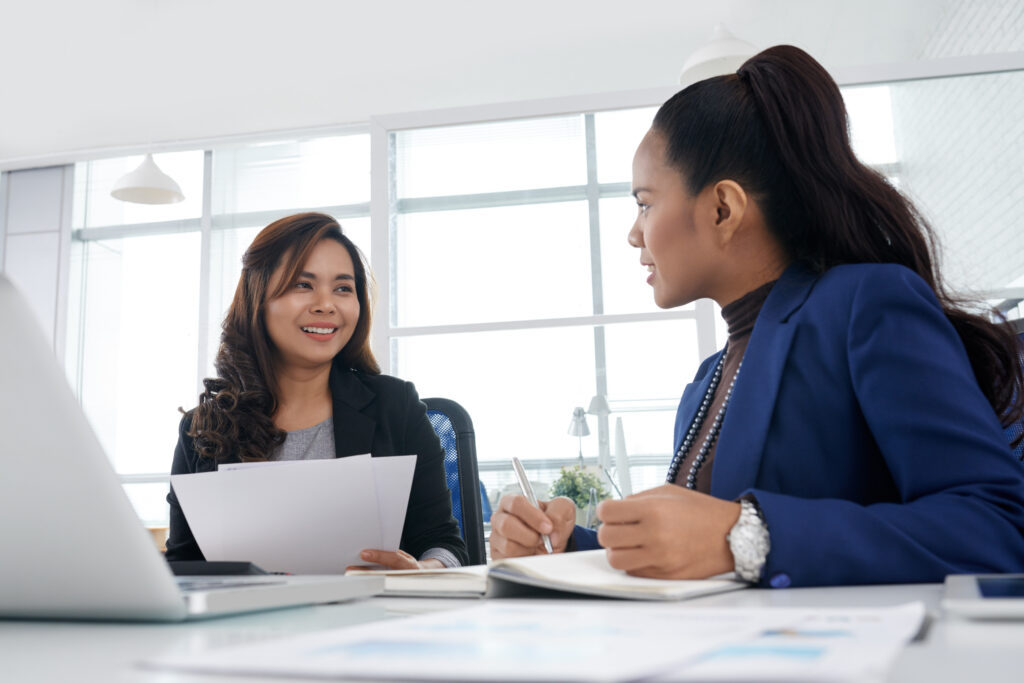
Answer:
(510, 286)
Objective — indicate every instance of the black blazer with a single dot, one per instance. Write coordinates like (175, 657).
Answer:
(374, 414)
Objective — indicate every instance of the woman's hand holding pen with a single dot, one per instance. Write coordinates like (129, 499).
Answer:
(516, 526)
(668, 532)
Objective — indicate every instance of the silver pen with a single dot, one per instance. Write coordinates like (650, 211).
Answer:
(524, 485)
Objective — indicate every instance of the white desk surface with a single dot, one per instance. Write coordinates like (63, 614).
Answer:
(951, 650)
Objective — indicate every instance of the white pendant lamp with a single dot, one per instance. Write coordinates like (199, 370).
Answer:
(147, 184)
(721, 55)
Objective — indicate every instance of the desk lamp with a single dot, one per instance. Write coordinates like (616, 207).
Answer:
(578, 427)
(599, 406)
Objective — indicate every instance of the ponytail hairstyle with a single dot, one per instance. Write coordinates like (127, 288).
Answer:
(779, 128)
(235, 411)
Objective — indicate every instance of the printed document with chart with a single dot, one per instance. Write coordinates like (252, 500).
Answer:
(586, 641)
(302, 516)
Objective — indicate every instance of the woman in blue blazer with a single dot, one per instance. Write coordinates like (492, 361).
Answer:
(850, 430)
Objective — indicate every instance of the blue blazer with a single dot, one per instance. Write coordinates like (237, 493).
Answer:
(858, 425)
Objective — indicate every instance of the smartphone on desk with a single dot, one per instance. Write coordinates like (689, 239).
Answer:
(985, 596)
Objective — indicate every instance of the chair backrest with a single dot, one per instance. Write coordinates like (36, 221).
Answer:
(455, 430)
(1017, 428)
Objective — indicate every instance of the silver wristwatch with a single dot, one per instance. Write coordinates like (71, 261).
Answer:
(749, 541)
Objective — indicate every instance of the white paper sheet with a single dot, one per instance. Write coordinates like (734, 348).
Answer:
(588, 572)
(510, 640)
(812, 646)
(303, 517)
(393, 476)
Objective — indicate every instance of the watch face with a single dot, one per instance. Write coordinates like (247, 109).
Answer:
(749, 543)
(749, 540)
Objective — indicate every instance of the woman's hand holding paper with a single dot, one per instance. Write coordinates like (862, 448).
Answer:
(396, 560)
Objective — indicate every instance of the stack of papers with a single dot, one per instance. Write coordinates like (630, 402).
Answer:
(301, 517)
(511, 640)
(459, 582)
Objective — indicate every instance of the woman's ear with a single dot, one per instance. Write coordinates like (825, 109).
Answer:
(730, 205)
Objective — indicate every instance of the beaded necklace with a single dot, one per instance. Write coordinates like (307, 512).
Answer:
(698, 422)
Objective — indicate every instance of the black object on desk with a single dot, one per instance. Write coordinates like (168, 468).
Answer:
(220, 568)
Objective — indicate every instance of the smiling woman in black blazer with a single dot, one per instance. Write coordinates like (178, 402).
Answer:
(296, 380)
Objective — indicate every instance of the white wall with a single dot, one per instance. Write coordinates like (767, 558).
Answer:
(35, 234)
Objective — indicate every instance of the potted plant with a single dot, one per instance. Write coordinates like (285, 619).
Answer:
(575, 483)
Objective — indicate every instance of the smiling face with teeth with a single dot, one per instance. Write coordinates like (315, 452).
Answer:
(310, 323)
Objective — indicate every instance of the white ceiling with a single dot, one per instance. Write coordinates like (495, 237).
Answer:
(107, 74)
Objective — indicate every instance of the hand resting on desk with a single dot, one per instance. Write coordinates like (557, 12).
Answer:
(668, 532)
(516, 526)
(396, 560)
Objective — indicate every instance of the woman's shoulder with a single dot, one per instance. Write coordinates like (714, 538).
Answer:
(186, 440)
(186, 458)
(864, 294)
(854, 276)
(381, 382)
(361, 386)
(185, 423)
(859, 273)
(869, 284)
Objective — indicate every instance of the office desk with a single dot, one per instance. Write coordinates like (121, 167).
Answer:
(951, 650)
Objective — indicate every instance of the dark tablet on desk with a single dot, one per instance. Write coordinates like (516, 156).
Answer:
(204, 568)
(985, 596)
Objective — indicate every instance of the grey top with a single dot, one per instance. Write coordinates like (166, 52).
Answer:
(311, 443)
(317, 443)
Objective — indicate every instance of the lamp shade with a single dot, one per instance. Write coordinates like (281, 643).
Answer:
(599, 405)
(578, 425)
(147, 184)
(721, 55)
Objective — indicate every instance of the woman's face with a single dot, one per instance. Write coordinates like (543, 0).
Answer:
(672, 229)
(313, 320)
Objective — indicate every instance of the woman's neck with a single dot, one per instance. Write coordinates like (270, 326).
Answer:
(753, 259)
(303, 398)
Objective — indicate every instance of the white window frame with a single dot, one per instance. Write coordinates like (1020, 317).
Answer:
(386, 206)
(205, 224)
(382, 203)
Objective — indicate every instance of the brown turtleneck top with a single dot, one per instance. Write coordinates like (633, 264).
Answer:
(740, 316)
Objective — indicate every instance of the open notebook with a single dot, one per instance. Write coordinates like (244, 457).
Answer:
(73, 546)
(586, 572)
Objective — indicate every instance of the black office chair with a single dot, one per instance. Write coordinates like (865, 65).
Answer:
(455, 429)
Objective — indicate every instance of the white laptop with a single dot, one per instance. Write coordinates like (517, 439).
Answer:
(72, 545)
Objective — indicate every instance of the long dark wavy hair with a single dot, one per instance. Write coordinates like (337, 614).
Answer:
(778, 126)
(235, 411)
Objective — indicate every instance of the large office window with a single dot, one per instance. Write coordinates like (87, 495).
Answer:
(149, 285)
(515, 292)
(510, 286)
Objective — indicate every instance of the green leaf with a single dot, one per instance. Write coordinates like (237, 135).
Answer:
(575, 483)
